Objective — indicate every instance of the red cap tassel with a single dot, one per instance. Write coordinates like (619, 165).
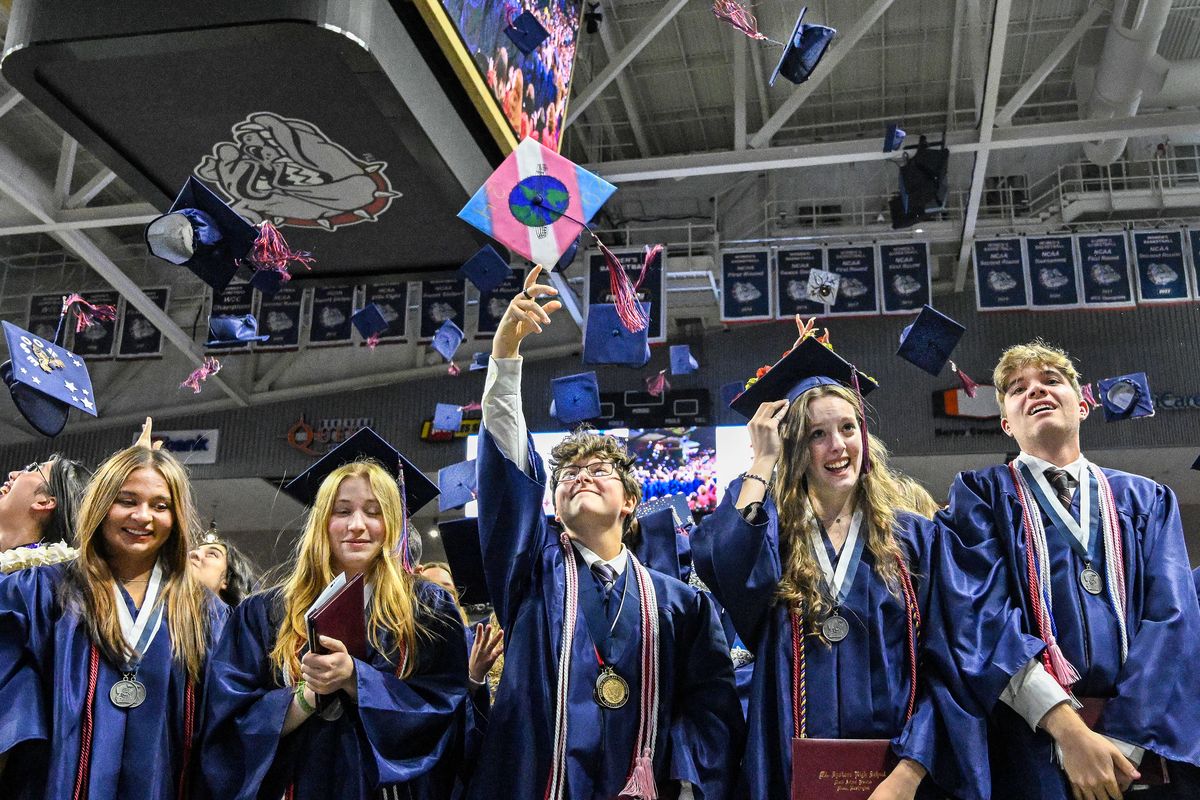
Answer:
(736, 15)
(1060, 668)
(969, 386)
(373, 340)
(210, 367)
(657, 385)
(271, 252)
(623, 290)
(88, 314)
(1087, 396)
(866, 438)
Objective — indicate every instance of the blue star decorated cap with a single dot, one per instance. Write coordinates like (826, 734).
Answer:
(930, 339)
(576, 398)
(526, 32)
(369, 320)
(808, 365)
(365, 444)
(460, 539)
(447, 338)
(606, 340)
(447, 417)
(1126, 397)
(267, 281)
(233, 331)
(46, 381)
(479, 361)
(458, 484)
(803, 51)
(201, 232)
(893, 139)
(486, 269)
(682, 360)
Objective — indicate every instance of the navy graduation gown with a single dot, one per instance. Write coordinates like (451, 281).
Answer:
(699, 722)
(857, 688)
(398, 735)
(1151, 702)
(136, 753)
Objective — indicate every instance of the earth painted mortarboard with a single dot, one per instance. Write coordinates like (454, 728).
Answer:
(808, 365)
(803, 51)
(447, 338)
(447, 417)
(45, 381)
(458, 484)
(460, 538)
(201, 232)
(526, 32)
(576, 398)
(606, 340)
(930, 339)
(369, 321)
(682, 360)
(1126, 397)
(893, 139)
(486, 269)
(365, 443)
(232, 331)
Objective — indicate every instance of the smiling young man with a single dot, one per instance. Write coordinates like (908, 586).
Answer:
(37, 505)
(1089, 563)
(617, 679)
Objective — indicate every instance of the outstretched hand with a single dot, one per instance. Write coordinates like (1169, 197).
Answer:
(524, 316)
(487, 647)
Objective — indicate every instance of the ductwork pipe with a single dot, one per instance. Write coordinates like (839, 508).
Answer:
(1129, 46)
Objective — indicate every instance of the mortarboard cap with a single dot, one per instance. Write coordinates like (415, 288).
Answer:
(526, 32)
(568, 256)
(267, 281)
(458, 484)
(460, 538)
(606, 340)
(447, 338)
(929, 340)
(447, 417)
(729, 391)
(45, 381)
(677, 502)
(479, 361)
(808, 365)
(803, 51)
(231, 331)
(1126, 397)
(893, 139)
(365, 443)
(682, 360)
(201, 232)
(1196, 463)
(369, 320)
(486, 269)
(576, 398)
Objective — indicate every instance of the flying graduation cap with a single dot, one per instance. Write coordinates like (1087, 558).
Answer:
(46, 381)
(606, 340)
(369, 321)
(233, 331)
(576, 398)
(928, 342)
(682, 360)
(447, 417)
(486, 269)
(801, 53)
(458, 484)
(526, 32)
(460, 538)
(893, 139)
(806, 366)
(1126, 397)
(447, 339)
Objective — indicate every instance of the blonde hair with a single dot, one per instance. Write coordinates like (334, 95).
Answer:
(914, 497)
(394, 604)
(1032, 354)
(453, 588)
(90, 585)
(802, 584)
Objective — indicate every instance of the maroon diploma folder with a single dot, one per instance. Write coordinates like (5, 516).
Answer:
(846, 769)
(340, 617)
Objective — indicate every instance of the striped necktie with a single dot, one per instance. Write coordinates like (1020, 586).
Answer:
(607, 576)
(1063, 483)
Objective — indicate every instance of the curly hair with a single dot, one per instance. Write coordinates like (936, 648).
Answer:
(584, 444)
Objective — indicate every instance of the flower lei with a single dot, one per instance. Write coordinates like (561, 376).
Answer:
(36, 555)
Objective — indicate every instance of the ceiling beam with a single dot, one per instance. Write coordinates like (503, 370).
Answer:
(608, 38)
(955, 66)
(844, 46)
(987, 123)
(87, 193)
(66, 168)
(739, 92)
(9, 101)
(586, 96)
(1005, 116)
(977, 52)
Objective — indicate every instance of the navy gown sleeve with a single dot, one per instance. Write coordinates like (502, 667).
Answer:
(26, 599)
(740, 563)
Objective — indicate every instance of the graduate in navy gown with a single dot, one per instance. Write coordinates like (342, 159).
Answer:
(829, 585)
(390, 719)
(38, 504)
(1089, 564)
(102, 658)
(617, 679)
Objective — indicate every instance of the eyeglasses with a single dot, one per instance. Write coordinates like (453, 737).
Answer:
(597, 469)
(35, 466)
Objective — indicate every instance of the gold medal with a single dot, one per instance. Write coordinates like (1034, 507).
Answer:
(611, 689)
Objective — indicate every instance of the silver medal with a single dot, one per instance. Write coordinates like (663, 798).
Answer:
(127, 693)
(1091, 581)
(835, 628)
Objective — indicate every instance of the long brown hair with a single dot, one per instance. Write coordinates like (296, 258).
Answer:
(90, 583)
(394, 603)
(877, 496)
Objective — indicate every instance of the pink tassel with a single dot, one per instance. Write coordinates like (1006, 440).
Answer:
(472, 407)
(1088, 397)
(271, 252)
(624, 291)
(657, 385)
(969, 386)
(1060, 668)
(738, 16)
(454, 370)
(373, 340)
(88, 314)
(862, 407)
(210, 367)
(641, 781)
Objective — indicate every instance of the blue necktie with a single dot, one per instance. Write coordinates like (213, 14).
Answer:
(606, 575)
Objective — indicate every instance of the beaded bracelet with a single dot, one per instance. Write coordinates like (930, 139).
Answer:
(753, 477)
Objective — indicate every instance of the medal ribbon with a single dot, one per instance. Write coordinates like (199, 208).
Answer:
(1081, 535)
(139, 633)
(839, 580)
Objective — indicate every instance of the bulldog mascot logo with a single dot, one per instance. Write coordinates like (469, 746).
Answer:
(289, 172)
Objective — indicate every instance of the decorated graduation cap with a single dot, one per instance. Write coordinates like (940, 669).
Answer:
(369, 321)
(606, 340)
(576, 398)
(801, 53)
(458, 484)
(46, 381)
(893, 138)
(365, 443)
(447, 338)
(460, 539)
(447, 417)
(1126, 397)
(233, 331)
(486, 269)
(682, 360)
(929, 340)
(526, 32)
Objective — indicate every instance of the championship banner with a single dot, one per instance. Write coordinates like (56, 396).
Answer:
(329, 322)
(279, 317)
(492, 304)
(1104, 264)
(392, 298)
(44, 312)
(792, 266)
(139, 337)
(1194, 239)
(858, 292)
(1053, 275)
(442, 300)
(907, 279)
(999, 275)
(99, 338)
(653, 289)
(1161, 269)
(745, 285)
(236, 300)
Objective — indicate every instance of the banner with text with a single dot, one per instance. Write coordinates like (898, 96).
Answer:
(792, 266)
(1161, 268)
(653, 289)
(745, 285)
(139, 337)
(1053, 275)
(907, 278)
(858, 292)
(442, 300)
(999, 275)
